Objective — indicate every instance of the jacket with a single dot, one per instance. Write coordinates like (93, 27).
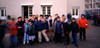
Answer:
(40, 26)
(31, 30)
(74, 27)
(83, 23)
(12, 28)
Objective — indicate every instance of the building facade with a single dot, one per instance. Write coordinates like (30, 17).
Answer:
(16, 8)
(92, 6)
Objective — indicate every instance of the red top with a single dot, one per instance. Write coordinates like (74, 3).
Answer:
(83, 23)
(12, 28)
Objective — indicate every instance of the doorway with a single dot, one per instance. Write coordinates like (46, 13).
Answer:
(27, 11)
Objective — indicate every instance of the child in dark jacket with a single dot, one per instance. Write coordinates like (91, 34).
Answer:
(75, 30)
(31, 32)
(41, 28)
(58, 30)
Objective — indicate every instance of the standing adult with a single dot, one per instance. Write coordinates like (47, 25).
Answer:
(95, 19)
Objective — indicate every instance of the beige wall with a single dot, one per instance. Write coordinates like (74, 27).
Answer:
(60, 7)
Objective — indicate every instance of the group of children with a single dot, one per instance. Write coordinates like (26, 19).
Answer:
(36, 26)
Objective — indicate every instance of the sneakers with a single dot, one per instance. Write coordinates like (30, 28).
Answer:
(76, 45)
(23, 42)
(66, 44)
(27, 42)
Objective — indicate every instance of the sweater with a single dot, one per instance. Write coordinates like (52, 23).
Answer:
(58, 27)
(83, 23)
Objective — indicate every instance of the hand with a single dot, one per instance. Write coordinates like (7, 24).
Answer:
(66, 32)
(45, 30)
(86, 29)
(19, 27)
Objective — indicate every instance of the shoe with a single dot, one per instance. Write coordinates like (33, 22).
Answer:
(80, 39)
(66, 44)
(76, 45)
(23, 42)
(85, 40)
(73, 42)
(27, 42)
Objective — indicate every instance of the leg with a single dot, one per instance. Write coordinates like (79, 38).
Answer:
(12, 40)
(39, 36)
(27, 38)
(60, 37)
(75, 39)
(45, 35)
(84, 34)
(56, 38)
(80, 33)
(24, 40)
(68, 38)
(1, 44)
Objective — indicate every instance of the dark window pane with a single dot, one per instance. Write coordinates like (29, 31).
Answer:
(2, 12)
(73, 12)
(76, 11)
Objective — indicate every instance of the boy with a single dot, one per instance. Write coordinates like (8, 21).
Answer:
(83, 24)
(75, 30)
(25, 27)
(2, 32)
(19, 29)
(41, 28)
(50, 24)
(31, 32)
(58, 30)
(13, 32)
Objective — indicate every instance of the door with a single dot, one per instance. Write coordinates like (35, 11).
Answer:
(3, 13)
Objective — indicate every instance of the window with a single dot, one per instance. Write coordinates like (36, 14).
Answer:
(30, 10)
(2, 12)
(75, 12)
(90, 1)
(86, 6)
(96, 5)
(46, 10)
(90, 6)
(96, 0)
(85, 1)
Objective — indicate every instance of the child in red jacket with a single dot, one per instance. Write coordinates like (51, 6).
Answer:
(83, 24)
(13, 32)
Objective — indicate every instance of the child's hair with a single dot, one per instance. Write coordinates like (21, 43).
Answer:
(13, 19)
(56, 14)
(26, 19)
(58, 17)
(73, 19)
(31, 21)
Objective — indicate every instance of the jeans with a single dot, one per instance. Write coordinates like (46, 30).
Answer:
(13, 40)
(74, 36)
(26, 38)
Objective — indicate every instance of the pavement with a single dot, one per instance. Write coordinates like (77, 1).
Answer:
(92, 36)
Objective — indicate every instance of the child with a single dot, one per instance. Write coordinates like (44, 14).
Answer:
(41, 28)
(58, 30)
(13, 32)
(31, 32)
(25, 27)
(83, 24)
(19, 29)
(75, 30)
(50, 24)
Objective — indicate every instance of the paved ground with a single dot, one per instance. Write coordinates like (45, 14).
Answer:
(93, 41)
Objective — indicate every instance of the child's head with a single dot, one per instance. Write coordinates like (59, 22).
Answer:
(82, 16)
(73, 19)
(9, 20)
(30, 22)
(30, 17)
(58, 18)
(13, 19)
(19, 18)
(56, 15)
(36, 19)
(26, 21)
(44, 19)
(50, 17)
